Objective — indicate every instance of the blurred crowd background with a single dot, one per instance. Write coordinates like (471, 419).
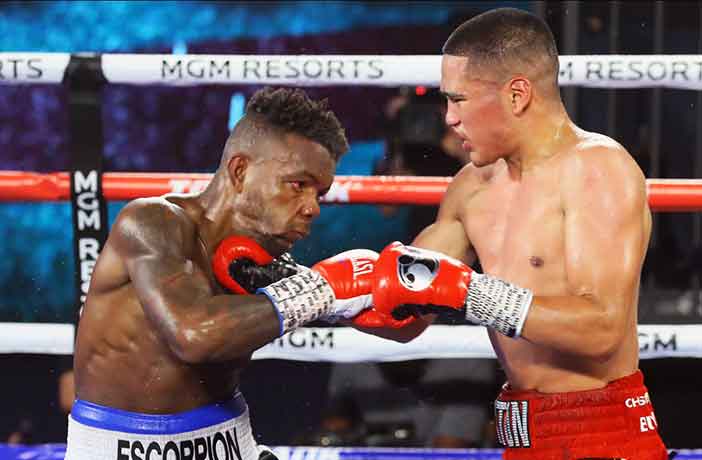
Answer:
(391, 131)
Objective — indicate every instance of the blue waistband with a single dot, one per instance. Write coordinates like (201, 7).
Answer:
(107, 418)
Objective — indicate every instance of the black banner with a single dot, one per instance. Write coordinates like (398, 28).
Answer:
(89, 209)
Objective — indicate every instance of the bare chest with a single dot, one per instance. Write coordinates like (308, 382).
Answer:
(517, 232)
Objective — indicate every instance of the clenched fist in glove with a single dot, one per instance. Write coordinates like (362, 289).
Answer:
(351, 276)
(411, 280)
(338, 287)
(242, 265)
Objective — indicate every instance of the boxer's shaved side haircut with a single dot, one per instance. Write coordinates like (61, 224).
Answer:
(504, 42)
(282, 111)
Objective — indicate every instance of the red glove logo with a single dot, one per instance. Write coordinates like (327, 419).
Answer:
(416, 271)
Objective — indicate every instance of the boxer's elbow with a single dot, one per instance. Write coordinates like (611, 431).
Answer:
(189, 345)
(185, 336)
(200, 344)
(603, 348)
(606, 337)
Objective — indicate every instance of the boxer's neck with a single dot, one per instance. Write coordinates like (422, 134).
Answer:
(214, 220)
(541, 136)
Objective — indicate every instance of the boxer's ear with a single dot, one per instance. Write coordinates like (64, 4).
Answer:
(520, 94)
(237, 167)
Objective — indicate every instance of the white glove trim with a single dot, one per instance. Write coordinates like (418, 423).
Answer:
(348, 308)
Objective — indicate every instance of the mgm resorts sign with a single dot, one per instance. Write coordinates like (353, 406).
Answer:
(272, 68)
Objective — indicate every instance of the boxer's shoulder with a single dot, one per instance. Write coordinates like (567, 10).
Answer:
(154, 218)
(467, 183)
(154, 211)
(471, 179)
(595, 149)
(472, 175)
(599, 158)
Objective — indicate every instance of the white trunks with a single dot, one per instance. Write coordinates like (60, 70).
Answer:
(215, 432)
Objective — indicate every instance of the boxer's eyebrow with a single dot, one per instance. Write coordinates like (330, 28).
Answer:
(304, 175)
(310, 177)
(451, 95)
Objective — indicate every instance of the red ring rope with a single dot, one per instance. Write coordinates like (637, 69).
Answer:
(663, 194)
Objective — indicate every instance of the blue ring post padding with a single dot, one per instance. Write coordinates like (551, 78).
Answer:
(107, 418)
(57, 451)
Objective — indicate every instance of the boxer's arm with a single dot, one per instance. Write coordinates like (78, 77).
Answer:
(446, 235)
(607, 227)
(152, 239)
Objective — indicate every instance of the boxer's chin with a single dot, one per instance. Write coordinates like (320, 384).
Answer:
(279, 245)
(477, 159)
(274, 245)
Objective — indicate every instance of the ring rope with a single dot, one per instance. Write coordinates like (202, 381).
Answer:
(663, 194)
(344, 344)
(598, 71)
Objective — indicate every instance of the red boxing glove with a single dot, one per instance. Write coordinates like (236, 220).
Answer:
(411, 280)
(372, 318)
(417, 277)
(350, 275)
(242, 265)
(338, 287)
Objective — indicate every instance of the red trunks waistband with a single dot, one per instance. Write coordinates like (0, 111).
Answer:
(613, 415)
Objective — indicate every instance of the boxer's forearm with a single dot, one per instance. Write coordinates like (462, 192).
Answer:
(222, 328)
(575, 324)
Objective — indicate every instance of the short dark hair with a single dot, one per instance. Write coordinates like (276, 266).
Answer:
(505, 39)
(292, 111)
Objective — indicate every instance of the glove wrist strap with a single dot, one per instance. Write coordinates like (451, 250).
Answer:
(299, 299)
(497, 304)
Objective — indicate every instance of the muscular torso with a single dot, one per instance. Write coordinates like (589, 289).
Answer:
(121, 360)
(516, 229)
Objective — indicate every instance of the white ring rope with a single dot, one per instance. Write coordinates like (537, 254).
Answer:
(38, 338)
(344, 344)
(598, 71)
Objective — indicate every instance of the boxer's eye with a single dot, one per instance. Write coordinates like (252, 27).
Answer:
(297, 185)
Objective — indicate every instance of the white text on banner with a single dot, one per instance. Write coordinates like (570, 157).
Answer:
(300, 70)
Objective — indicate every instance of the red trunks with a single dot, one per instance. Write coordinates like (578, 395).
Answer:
(615, 422)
